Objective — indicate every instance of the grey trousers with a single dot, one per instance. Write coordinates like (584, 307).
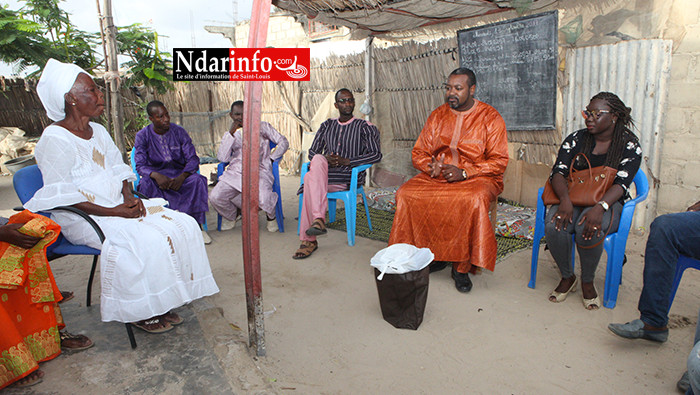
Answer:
(559, 241)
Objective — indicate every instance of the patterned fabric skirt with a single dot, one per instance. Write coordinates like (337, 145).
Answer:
(29, 316)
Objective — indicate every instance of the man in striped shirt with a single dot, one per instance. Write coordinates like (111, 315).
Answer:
(340, 144)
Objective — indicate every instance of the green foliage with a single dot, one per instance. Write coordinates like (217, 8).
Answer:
(68, 43)
(22, 43)
(41, 30)
(148, 65)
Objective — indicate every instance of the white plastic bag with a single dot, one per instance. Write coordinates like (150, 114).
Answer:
(401, 258)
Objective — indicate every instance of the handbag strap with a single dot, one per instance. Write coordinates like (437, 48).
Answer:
(571, 167)
(612, 213)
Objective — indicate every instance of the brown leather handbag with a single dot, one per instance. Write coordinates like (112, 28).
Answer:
(586, 187)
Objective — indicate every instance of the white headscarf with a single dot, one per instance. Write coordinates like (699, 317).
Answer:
(56, 80)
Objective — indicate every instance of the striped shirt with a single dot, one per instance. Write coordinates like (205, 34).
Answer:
(356, 139)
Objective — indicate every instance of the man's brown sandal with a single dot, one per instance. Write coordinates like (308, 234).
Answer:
(317, 228)
(73, 343)
(67, 295)
(305, 249)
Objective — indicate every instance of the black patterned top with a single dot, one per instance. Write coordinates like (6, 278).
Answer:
(626, 170)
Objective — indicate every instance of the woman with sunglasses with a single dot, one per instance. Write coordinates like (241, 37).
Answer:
(609, 141)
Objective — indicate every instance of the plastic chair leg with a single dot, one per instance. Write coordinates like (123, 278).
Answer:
(535, 257)
(684, 262)
(204, 225)
(301, 200)
(331, 210)
(92, 276)
(369, 220)
(350, 218)
(279, 215)
(218, 222)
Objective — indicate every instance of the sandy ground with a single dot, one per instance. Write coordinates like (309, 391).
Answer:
(325, 335)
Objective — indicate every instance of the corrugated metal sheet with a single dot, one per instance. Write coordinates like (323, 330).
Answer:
(636, 71)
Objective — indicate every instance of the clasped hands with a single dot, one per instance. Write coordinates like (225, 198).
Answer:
(335, 160)
(449, 172)
(131, 208)
(164, 182)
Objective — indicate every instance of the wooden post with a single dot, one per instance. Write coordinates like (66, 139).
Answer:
(112, 79)
(251, 162)
(211, 118)
(369, 90)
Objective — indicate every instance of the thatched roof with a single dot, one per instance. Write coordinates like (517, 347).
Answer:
(383, 16)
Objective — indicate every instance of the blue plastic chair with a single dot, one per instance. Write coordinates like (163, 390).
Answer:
(614, 243)
(349, 198)
(27, 181)
(684, 262)
(279, 214)
(138, 178)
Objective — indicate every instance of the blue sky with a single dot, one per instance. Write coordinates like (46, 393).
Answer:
(176, 21)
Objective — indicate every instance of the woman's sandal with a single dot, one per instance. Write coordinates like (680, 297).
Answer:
(73, 343)
(172, 318)
(317, 228)
(593, 303)
(561, 296)
(153, 325)
(305, 249)
(31, 379)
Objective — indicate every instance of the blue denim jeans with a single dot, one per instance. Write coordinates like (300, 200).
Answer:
(670, 236)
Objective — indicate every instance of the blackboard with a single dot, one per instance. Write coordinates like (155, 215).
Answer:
(515, 63)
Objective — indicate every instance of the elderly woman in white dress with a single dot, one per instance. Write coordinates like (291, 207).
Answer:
(153, 258)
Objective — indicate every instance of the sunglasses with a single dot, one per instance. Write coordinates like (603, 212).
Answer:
(594, 114)
(348, 100)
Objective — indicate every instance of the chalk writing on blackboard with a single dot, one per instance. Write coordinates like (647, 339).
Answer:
(515, 63)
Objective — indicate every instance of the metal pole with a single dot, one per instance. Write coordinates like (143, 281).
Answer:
(251, 161)
(112, 79)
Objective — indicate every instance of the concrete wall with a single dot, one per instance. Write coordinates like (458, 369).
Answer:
(680, 162)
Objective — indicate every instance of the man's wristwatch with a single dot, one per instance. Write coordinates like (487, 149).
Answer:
(604, 204)
(464, 174)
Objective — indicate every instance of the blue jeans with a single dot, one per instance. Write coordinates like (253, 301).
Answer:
(670, 236)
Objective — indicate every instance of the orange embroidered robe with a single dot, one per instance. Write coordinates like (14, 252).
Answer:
(29, 317)
(452, 218)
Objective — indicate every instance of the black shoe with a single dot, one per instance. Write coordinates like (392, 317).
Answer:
(436, 266)
(462, 281)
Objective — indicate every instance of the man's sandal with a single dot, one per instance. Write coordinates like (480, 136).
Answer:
(153, 325)
(305, 249)
(67, 295)
(317, 228)
(73, 343)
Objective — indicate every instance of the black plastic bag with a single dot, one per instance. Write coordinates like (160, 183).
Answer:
(402, 297)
